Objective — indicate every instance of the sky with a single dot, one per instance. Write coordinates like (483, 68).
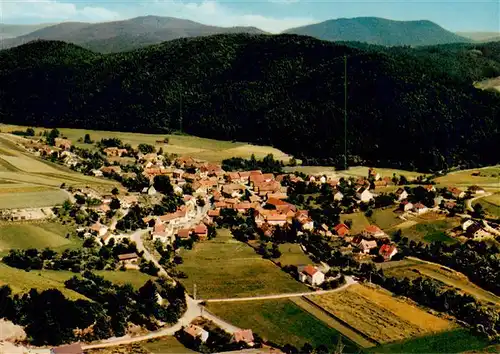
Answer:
(270, 15)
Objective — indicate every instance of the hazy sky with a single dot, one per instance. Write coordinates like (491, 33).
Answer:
(269, 15)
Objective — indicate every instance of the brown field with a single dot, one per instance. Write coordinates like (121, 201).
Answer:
(447, 277)
(380, 316)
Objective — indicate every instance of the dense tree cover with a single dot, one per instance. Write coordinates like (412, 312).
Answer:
(475, 259)
(132, 220)
(146, 148)
(285, 90)
(380, 31)
(268, 164)
(75, 260)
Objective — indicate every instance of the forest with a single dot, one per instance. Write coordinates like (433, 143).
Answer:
(406, 108)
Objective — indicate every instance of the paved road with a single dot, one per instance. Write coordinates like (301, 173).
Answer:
(468, 202)
(349, 281)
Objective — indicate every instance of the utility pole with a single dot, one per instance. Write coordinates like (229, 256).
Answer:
(180, 110)
(194, 291)
(345, 112)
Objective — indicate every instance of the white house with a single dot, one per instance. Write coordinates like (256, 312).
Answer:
(467, 223)
(151, 190)
(178, 190)
(311, 275)
(406, 205)
(97, 173)
(364, 195)
(197, 332)
(338, 196)
(322, 179)
(401, 194)
(365, 246)
(419, 208)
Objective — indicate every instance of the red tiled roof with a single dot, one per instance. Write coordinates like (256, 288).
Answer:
(127, 256)
(309, 270)
(373, 229)
(386, 250)
(341, 229)
(200, 229)
(214, 212)
(184, 233)
(244, 335)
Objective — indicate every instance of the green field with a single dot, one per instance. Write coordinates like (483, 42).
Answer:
(130, 276)
(225, 267)
(20, 198)
(359, 221)
(292, 254)
(21, 281)
(432, 230)
(491, 204)
(385, 218)
(165, 345)
(489, 176)
(36, 235)
(362, 171)
(280, 321)
(448, 342)
(201, 148)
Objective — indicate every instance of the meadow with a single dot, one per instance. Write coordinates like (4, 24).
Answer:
(196, 147)
(359, 221)
(225, 267)
(281, 321)
(429, 230)
(489, 176)
(379, 315)
(386, 218)
(491, 204)
(36, 235)
(292, 254)
(456, 341)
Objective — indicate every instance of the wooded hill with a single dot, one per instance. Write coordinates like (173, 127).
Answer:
(408, 108)
(381, 31)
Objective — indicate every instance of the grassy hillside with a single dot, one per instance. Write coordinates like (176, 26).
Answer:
(271, 90)
(125, 35)
(380, 31)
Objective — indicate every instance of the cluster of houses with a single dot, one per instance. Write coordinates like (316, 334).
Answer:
(241, 336)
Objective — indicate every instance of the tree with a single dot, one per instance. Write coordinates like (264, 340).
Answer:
(115, 191)
(115, 204)
(51, 138)
(162, 184)
(87, 139)
(146, 148)
(30, 132)
(478, 211)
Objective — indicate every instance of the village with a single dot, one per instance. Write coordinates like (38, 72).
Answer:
(169, 203)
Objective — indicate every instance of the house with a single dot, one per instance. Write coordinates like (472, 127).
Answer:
(97, 173)
(243, 335)
(62, 143)
(387, 251)
(311, 275)
(476, 190)
(419, 208)
(379, 184)
(74, 348)
(195, 332)
(114, 152)
(473, 231)
(364, 195)
(201, 231)
(342, 230)
(338, 196)
(430, 188)
(450, 205)
(302, 216)
(456, 193)
(467, 223)
(265, 188)
(99, 229)
(406, 205)
(128, 258)
(184, 234)
(214, 213)
(401, 194)
(373, 231)
(128, 201)
(366, 246)
(374, 174)
(111, 169)
(281, 205)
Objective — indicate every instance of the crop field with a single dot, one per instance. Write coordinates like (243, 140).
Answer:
(378, 315)
(489, 176)
(446, 277)
(455, 341)
(21, 281)
(282, 322)
(202, 148)
(384, 172)
(225, 267)
(27, 199)
(359, 221)
(35, 235)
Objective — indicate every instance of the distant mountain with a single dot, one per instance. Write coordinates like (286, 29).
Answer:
(11, 31)
(374, 30)
(125, 35)
(481, 36)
